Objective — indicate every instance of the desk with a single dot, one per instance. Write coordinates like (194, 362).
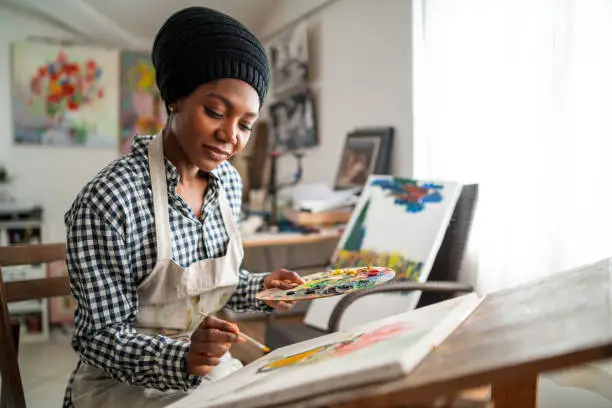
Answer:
(514, 335)
(288, 238)
(265, 252)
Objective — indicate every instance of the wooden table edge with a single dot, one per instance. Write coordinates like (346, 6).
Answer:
(391, 393)
(293, 240)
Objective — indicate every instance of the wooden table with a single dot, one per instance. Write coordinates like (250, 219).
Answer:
(513, 336)
(288, 238)
(265, 252)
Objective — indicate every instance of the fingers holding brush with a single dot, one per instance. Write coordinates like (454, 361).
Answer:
(209, 342)
(242, 337)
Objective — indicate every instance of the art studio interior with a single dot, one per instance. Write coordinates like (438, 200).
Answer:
(313, 203)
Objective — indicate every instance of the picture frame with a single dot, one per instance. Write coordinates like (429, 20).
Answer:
(288, 55)
(64, 95)
(366, 151)
(293, 121)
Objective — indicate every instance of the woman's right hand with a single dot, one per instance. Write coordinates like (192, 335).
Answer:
(209, 342)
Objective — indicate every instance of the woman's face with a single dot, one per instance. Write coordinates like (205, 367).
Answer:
(215, 122)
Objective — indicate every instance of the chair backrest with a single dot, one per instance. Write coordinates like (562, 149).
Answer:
(450, 255)
(12, 395)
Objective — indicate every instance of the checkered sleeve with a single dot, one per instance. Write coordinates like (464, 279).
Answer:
(103, 287)
(249, 284)
(243, 299)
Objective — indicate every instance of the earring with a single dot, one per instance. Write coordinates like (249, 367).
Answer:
(172, 108)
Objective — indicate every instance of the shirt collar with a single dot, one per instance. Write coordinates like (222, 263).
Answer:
(173, 177)
(140, 150)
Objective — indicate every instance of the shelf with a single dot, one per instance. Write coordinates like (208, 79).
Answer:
(33, 337)
(28, 306)
(21, 228)
(20, 224)
(33, 316)
(23, 272)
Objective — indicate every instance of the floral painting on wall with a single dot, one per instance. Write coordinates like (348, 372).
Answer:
(142, 109)
(65, 95)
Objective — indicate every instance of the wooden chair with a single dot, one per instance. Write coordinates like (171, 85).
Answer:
(12, 395)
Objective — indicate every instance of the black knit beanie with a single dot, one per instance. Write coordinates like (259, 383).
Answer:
(197, 45)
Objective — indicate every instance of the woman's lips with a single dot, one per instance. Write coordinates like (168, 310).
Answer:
(215, 153)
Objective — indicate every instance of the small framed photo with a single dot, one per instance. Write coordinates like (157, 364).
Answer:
(366, 152)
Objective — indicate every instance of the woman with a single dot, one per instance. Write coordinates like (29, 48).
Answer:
(152, 239)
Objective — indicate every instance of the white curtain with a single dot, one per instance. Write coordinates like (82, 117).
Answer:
(516, 95)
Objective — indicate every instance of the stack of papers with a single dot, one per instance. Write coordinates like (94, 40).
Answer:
(319, 197)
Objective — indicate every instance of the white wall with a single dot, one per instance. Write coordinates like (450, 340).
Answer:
(361, 69)
(50, 176)
(360, 61)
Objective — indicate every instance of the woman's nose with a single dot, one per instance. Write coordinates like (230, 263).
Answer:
(229, 133)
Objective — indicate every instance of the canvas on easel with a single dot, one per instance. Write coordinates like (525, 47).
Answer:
(383, 350)
(398, 223)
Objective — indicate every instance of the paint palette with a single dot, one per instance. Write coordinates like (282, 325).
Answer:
(331, 283)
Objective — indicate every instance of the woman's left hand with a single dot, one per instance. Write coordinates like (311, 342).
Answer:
(282, 279)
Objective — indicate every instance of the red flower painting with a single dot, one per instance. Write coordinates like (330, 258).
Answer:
(66, 85)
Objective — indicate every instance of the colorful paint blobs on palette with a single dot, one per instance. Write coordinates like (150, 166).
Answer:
(64, 95)
(409, 193)
(385, 336)
(331, 283)
(405, 269)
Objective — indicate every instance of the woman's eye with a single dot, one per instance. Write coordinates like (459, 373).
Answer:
(212, 113)
(246, 128)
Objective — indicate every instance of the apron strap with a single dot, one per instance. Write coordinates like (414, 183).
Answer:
(159, 187)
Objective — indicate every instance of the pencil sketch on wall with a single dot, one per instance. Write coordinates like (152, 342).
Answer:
(289, 59)
(293, 121)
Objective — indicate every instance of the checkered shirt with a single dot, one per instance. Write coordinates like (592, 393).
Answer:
(111, 248)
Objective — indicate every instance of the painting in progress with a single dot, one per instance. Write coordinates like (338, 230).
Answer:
(65, 95)
(331, 283)
(398, 223)
(142, 110)
(382, 336)
(378, 351)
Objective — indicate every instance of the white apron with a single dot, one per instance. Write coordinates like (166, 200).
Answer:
(169, 301)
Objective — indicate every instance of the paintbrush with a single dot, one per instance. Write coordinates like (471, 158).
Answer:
(265, 348)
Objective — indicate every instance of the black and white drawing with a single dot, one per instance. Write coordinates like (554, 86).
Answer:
(293, 121)
(289, 60)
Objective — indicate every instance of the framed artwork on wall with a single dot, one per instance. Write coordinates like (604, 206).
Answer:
(366, 152)
(64, 95)
(142, 111)
(293, 122)
(289, 59)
